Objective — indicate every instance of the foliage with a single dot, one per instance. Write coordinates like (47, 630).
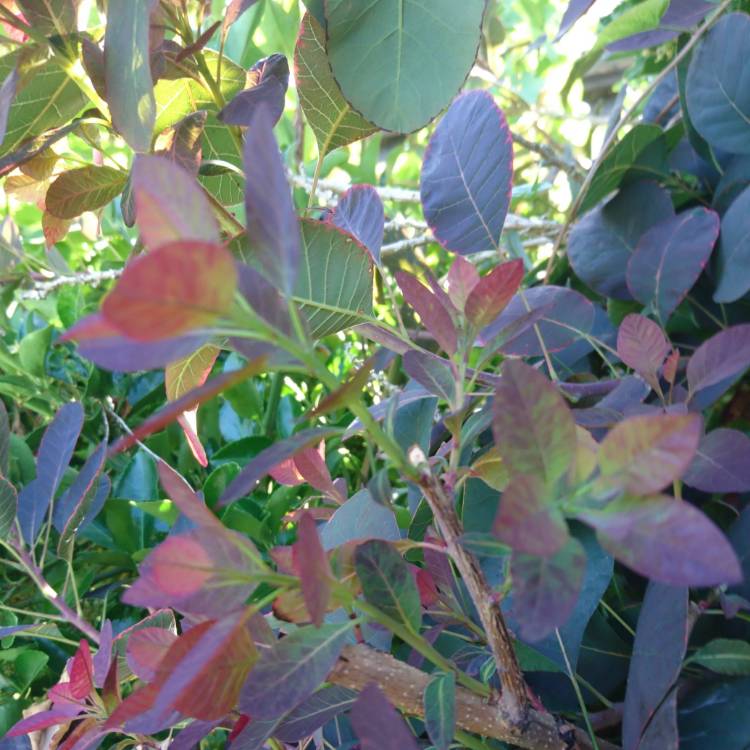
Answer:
(291, 450)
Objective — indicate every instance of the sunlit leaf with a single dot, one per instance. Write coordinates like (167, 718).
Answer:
(83, 189)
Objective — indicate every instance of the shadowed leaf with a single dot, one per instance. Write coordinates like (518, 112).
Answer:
(642, 345)
(269, 79)
(311, 564)
(432, 372)
(377, 723)
(315, 712)
(721, 462)
(440, 710)
(719, 360)
(729, 656)
(733, 256)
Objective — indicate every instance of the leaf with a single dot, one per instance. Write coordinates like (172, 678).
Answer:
(201, 572)
(733, 256)
(311, 564)
(82, 672)
(721, 463)
(183, 145)
(395, 34)
(335, 280)
(527, 520)
(83, 189)
(104, 345)
(670, 257)
(267, 459)
(360, 517)
(8, 506)
(434, 315)
(377, 723)
(272, 226)
(719, 360)
(575, 9)
(39, 721)
(601, 243)
(332, 119)
(50, 17)
(387, 582)
(432, 372)
(462, 278)
(315, 712)
(566, 317)
(169, 204)
(145, 650)
(644, 454)
(269, 79)
(130, 90)
(650, 721)
(642, 345)
(627, 154)
(4, 441)
(174, 289)
(715, 711)
(235, 10)
(492, 293)
(718, 99)
(729, 656)
(183, 496)
(359, 212)
(546, 589)
(440, 709)
(189, 372)
(467, 175)
(665, 539)
(292, 669)
(7, 94)
(55, 451)
(533, 427)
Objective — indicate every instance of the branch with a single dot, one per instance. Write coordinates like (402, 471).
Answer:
(42, 288)
(404, 686)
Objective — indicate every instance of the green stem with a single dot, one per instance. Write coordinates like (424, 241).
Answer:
(470, 741)
(274, 397)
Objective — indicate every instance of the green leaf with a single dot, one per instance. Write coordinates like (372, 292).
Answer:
(49, 99)
(84, 189)
(331, 117)
(33, 349)
(728, 656)
(334, 283)
(130, 89)
(4, 441)
(8, 506)
(440, 709)
(400, 62)
(483, 544)
(387, 582)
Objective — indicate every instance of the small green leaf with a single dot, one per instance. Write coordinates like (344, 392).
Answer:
(33, 349)
(440, 709)
(728, 656)
(83, 189)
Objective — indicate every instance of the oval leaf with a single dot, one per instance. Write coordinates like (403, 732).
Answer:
(733, 256)
(83, 189)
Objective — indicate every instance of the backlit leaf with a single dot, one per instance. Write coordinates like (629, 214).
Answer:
(492, 293)
(292, 669)
(330, 116)
(396, 34)
(646, 453)
(387, 582)
(83, 189)
(546, 589)
(311, 564)
(169, 204)
(533, 427)
(670, 257)
(467, 175)
(130, 90)
(665, 539)
(176, 288)
(51, 16)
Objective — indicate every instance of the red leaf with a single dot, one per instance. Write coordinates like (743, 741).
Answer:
(493, 292)
(176, 288)
(145, 650)
(82, 672)
(183, 496)
(462, 278)
(311, 563)
(42, 720)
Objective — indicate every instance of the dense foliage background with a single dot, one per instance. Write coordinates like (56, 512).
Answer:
(329, 390)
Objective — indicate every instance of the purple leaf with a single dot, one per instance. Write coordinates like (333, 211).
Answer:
(360, 212)
(189, 737)
(377, 723)
(103, 657)
(7, 95)
(492, 293)
(528, 520)
(722, 463)
(568, 316)
(272, 227)
(642, 345)
(467, 175)
(650, 722)
(575, 9)
(292, 669)
(665, 539)
(432, 372)
(646, 453)
(170, 205)
(533, 427)
(315, 712)
(680, 16)
(311, 564)
(546, 589)
(601, 243)
(721, 359)
(259, 466)
(269, 79)
(55, 452)
(106, 347)
(38, 721)
(264, 298)
(670, 257)
(733, 255)
(69, 502)
(254, 735)
(435, 317)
